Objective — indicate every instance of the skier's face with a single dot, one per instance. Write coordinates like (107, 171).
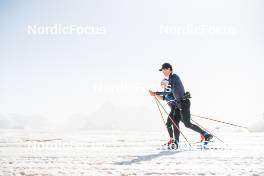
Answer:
(166, 72)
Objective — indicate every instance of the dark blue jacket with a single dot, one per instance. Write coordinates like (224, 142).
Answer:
(176, 87)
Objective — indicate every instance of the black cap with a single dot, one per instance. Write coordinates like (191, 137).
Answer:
(165, 65)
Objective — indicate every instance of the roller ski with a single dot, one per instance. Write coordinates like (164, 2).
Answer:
(171, 144)
(206, 138)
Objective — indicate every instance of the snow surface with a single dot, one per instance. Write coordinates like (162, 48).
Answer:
(126, 153)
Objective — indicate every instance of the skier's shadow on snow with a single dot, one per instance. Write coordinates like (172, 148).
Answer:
(146, 157)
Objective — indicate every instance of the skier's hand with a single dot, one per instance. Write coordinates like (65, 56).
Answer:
(152, 93)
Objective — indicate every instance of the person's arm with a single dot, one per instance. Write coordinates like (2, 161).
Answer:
(173, 88)
(163, 93)
(154, 94)
(160, 97)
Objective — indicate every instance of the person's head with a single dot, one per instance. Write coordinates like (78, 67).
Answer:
(166, 69)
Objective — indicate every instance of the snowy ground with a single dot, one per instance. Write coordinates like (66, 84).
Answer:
(126, 153)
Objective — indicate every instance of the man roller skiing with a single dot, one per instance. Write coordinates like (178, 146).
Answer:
(173, 128)
(175, 95)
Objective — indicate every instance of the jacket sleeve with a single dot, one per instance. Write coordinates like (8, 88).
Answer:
(162, 93)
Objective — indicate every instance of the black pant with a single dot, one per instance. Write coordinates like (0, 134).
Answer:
(183, 114)
(173, 121)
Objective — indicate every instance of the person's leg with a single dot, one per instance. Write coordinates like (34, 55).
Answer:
(169, 127)
(169, 121)
(176, 118)
(186, 117)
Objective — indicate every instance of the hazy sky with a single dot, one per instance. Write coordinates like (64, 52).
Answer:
(60, 75)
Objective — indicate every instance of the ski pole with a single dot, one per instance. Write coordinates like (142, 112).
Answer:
(219, 121)
(172, 120)
(161, 113)
(207, 130)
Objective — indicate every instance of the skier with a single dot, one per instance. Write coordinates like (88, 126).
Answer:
(181, 111)
(172, 129)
